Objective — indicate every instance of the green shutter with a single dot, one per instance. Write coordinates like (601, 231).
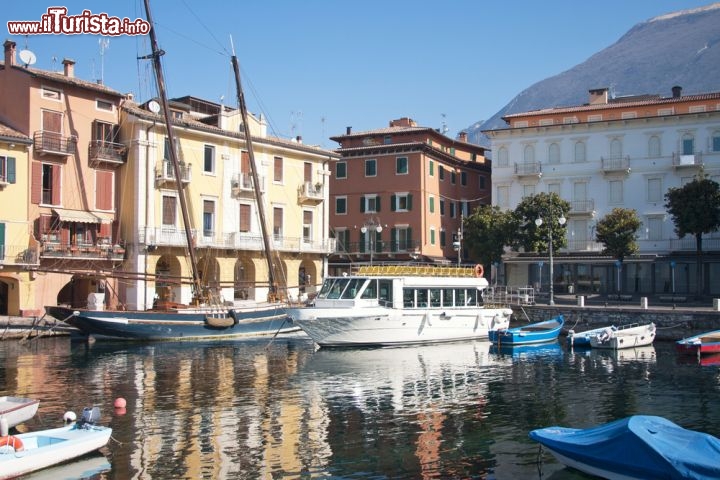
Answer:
(362, 204)
(409, 202)
(432, 168)
(409, 242)
(393, 240)
(442, 238)
(10, 170)
(392, 203)
(377, 203)
(361, 242)
(2, 241)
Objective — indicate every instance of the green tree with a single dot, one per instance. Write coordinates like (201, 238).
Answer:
(487, 231)
(695, 210)
(548, 207)
(617, 231)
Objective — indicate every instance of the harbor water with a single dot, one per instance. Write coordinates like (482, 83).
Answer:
(263, 409)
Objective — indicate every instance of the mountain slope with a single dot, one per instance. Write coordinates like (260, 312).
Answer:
(681, 48)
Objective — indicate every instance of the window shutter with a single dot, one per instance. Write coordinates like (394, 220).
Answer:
(378, 241)
(362, 204)
(2, 238)
(103, 190)
(409, 202)
(409, 239)
(393, 240)
(11, 170)
(56, 185)
(106, 230)
(36, 187)
(377, 203)
(392, 203)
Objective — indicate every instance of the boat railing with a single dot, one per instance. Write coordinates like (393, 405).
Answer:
(508, 295)
(415, 270)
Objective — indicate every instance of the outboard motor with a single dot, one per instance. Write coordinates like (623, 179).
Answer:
(90, 416)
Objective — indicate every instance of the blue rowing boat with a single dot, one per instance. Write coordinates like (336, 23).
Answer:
(636, 447)
(539, 332)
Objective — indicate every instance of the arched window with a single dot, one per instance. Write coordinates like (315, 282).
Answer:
(579, 152)
(615, 148)
(502, 157)
(554, 153)
(654, 146)
(529, 154)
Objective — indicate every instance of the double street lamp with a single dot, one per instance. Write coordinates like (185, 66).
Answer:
(539, 221)
(372, 226)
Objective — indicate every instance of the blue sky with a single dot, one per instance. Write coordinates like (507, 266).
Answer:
(314, 67)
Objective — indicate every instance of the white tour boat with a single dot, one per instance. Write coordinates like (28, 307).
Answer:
(625, 336)
(400, 305)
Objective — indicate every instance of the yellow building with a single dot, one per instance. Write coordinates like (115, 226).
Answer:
(17, 250)
(223, 211)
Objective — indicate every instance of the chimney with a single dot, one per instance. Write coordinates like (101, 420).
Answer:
(9, 53)
(463, 136)
(348, 130)
(599, 96)
(677, 91)
(299, 139)
(69, 67)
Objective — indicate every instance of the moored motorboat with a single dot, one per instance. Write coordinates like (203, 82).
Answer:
(539, 332)
(16, 410)
(386, 305)
(625, 336)
(700, 344)
(636, 447)
(582, 339)
(27, 452)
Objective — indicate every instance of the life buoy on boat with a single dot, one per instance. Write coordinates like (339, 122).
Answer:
(479, 270)
(14, 442)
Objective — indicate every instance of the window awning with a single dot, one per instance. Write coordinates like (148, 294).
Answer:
(77, 216)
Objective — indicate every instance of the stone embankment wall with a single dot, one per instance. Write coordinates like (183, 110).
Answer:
(671, 324)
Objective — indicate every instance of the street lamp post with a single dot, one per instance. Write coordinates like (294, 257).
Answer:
(539, 221)
(371, 226)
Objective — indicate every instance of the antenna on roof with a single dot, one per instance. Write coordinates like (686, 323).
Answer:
(104, 45)
(444, 129)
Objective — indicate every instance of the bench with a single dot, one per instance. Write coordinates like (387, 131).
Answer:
(621, 298)
(673, 298)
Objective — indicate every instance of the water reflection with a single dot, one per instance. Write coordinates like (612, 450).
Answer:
(527, 352)
(284, 410)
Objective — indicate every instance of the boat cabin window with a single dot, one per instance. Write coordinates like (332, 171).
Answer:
(434, 294)
(408, 297)
(336, 289)
(447, 298)
(386, 292)
(422, 298)
(370, 291)
(327, 284)
(353, 288)
(471, 297)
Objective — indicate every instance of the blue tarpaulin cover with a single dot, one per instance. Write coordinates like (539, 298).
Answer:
(639, 446)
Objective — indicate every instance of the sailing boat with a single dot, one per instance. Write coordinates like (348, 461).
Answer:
(200, 320)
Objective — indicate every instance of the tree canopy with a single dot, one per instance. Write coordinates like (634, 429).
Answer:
(487, 231)
(550, 208)
(617, 231)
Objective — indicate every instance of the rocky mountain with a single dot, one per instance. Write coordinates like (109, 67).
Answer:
(681, 48)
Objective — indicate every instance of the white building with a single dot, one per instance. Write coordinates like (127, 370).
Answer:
(612, 152)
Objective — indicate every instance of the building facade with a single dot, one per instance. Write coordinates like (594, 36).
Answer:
(400, 193)
(223, 210)
(611, 152)
(67, 178)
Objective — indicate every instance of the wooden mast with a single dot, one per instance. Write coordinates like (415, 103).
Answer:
(198, 296)
(272, 294)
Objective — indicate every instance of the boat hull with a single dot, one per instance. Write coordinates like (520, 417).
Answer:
(45, 448)
(625, 337)
(173, 325)
(702, 344)
(541, 332)
(636, 447)
(582, 339)
(380, 326)
(17, 410)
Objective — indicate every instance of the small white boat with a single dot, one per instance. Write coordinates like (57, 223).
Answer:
(17, 410)
(626, 336)
(582, 339)
(392, 305)
(27, 452)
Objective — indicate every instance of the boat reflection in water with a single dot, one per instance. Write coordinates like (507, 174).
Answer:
(628, 355)
(528, 352)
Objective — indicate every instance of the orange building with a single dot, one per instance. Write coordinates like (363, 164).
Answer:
(399, 194)
(70, 176)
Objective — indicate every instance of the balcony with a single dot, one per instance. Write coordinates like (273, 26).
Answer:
(18, 255)
(78, 251)
(532, 169)
(52, 143)
(687, 161)
(166, 173)
(311, 193)
(582, 207)
(615, 164)
(102, 153)
(242, 185)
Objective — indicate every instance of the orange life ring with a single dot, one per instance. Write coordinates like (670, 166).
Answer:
(14, 442)
(479, 270)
